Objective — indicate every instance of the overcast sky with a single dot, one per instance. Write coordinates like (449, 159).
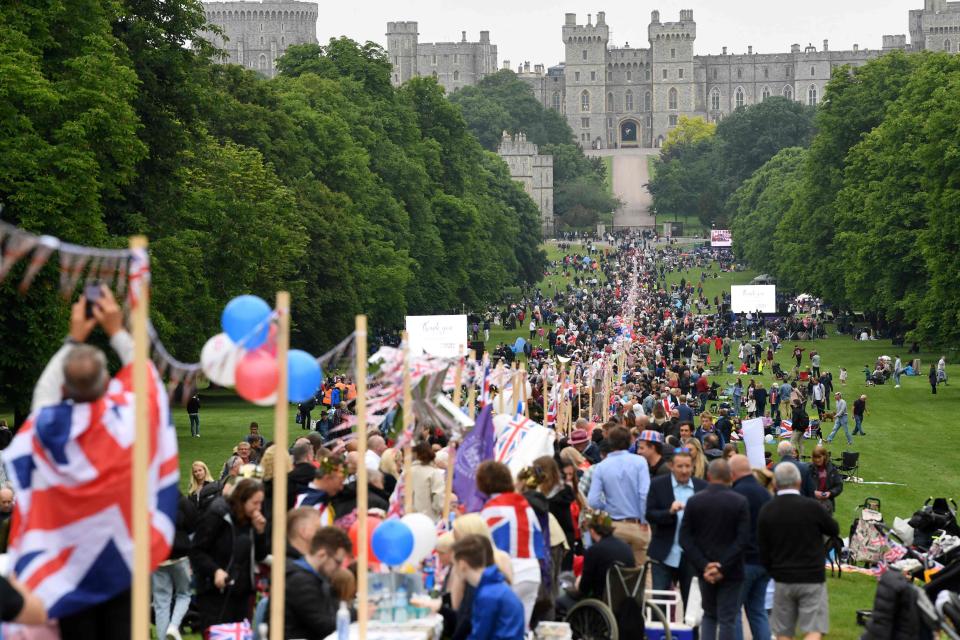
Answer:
(530, 31)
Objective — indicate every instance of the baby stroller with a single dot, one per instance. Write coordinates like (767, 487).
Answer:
(935, 516)
(868, 535)
(778, 371)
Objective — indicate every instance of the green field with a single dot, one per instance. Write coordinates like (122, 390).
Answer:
(692, 226)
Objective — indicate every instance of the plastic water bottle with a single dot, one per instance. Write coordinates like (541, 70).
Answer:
(400, 605)
(343, 622)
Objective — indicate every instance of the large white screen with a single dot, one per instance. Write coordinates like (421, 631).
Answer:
(721, 238)
(753, 297)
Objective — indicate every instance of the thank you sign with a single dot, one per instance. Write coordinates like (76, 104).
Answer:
(442, 336)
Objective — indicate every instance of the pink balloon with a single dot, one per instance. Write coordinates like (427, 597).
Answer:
(257, 375)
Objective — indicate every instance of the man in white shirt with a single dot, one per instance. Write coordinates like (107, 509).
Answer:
(376, 445)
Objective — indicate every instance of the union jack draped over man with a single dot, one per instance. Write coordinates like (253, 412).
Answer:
(71, 466)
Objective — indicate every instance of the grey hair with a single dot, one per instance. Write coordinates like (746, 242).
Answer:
(85, 376)
(786, 475)
(785, 448)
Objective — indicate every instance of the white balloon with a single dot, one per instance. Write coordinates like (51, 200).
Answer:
(219, 358)
(424, 536)
(269, 401)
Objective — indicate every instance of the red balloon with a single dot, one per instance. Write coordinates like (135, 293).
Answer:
(372, 523)
(257, 375)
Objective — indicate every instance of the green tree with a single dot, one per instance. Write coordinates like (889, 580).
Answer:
(688, 131)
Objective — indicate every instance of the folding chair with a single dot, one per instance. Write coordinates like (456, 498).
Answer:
(849, 464)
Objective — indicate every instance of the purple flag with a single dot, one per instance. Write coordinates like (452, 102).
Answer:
(476, 447)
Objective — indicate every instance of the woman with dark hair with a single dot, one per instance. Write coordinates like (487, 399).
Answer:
(827, 481)
(426, 482)
(515, 529)
(559, 495)
(228, 543)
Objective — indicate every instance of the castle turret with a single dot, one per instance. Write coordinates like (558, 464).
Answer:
(402, 41)
(585, 77)
(671, 49)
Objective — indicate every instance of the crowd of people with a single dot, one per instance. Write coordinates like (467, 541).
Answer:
(663, 480)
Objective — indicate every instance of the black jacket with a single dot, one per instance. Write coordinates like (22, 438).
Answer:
(560, 508)
(219, 543)
(834, 480)
(187, 516)
(806, 487)
(299, 477)
(598, 559)
(895, 615)
(664, 523)
(716, 528)
(592, 453)
(756, 496)
(790, 535)
(346, 500)
(311, 608)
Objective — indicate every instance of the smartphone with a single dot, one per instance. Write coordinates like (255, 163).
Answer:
(92, 293)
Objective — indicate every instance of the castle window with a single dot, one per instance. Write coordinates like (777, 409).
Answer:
(628, 101)
(593, 76)
(576, 76)
(672, 98)
(673, 53)
(456, 76)
(263, 61)
(766, 72)
(629, 76)
(433, 59)
(646, 74)
(813, 71)
(739, 74)
(647, 101)
(261, 39)
(610, 102)
(584, 123)
(261, 26)
(715, 100)
(766, 92)
(786, 71)
(788, 92)
(738, 97)
(680, 73)
(556, 101)
(584, 54)
(673, 120)
(812, 95)
(609, 76)
(714, 73)
(946, 46)
(585, 101)
(456, 58)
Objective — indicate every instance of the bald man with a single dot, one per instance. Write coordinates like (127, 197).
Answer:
(755, 577)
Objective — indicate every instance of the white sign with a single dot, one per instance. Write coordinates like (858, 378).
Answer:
(753, 441)
(721, 238)
(750, 298)
(441, 336)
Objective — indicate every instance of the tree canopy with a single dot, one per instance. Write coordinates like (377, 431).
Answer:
(326, 181)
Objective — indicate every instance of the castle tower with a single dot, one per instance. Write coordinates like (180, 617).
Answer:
(534, 171)
(585, 78)
(402, 42)
(256, 34)
(671, 54)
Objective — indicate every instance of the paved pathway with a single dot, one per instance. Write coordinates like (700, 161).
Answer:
(630, 176)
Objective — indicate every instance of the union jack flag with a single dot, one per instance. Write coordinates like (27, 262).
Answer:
(510, 436)
(318, 500)
(231, 631)
(520, 441)
(71, 466)
(514, 526)
(485, 385)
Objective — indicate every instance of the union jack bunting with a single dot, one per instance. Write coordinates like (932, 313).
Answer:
(70, 464)
(231, 631)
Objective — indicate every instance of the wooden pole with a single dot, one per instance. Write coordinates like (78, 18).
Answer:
(500, 385)
(278, 550)
(140, 514)
(523, 390)
(590, 407)
(546, 393)
(451, 446)
(472, 391)
(360, 371)
(408, 424)
(516, 388)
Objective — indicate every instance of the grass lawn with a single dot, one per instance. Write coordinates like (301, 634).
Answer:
(908, 431)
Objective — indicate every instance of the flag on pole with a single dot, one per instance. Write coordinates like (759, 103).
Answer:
(477, 446)
(71, 537)
(520, 441)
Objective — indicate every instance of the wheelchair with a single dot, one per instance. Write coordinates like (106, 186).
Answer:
(593, 619)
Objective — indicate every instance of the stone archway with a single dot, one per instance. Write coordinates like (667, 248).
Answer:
(629, 133)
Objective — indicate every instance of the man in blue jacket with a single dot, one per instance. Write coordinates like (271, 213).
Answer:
(497, 611)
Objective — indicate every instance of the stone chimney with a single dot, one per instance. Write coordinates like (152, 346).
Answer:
(463, 36)
(601, 18)
(750, 50)
(484, 37)
(856, 47)
(506, 64)
(795, 48)
(724, 51)
(826, 45)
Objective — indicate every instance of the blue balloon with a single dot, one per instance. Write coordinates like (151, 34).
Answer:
(241, 318)
(303, 375)
(392, 542)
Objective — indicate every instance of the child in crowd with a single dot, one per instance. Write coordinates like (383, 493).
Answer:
(843, 377)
